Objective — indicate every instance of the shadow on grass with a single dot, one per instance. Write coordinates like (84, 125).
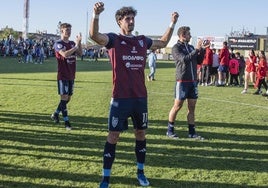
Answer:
(17, 171)
(155, 182)
(36, 133)
(124, 182)
(208, 129)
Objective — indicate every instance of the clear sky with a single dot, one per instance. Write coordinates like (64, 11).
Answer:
(205, 17)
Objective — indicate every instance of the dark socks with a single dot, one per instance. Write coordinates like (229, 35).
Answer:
(63, 105)
(191, 129)
(170, 127)
(108, 159)
(58, 108)
(140, 150)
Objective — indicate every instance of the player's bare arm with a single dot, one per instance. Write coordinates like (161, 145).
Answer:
(78, 44)
(167, 35)
(77, 48)
(94, 33)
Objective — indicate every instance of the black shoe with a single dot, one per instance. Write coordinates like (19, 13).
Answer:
(172, 135)
(257, 92)
(55, 117)
(195, 136)
(68, 126)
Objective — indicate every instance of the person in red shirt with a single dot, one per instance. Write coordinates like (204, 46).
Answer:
(250, 70)
(261, 74)
(206, 65)
(234, 70)
(224, 62)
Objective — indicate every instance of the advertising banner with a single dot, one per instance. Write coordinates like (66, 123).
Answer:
(242, 43)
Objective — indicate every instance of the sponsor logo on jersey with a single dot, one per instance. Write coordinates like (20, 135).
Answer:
(123, 42)
(133, 66)
(132, 57)
(71, 59)
(134, 51)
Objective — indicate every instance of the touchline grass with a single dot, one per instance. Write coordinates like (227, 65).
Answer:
(35, 153)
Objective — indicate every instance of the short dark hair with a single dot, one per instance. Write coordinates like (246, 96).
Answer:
(237, 53)
(119, 15)
(183, 30)
(65, 25)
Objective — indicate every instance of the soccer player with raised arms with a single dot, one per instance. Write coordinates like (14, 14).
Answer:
(129, 96)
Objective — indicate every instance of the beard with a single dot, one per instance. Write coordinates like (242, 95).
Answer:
(130, 28)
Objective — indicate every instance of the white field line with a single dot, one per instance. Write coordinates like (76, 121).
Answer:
(223, 101)
(240, 103)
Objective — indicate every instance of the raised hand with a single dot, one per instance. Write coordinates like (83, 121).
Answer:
(98, 8)
(174, 17)
(78, 39)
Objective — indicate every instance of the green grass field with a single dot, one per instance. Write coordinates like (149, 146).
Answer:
(36, 153)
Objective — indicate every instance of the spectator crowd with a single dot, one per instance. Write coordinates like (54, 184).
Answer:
(224, 67)
(27, 50)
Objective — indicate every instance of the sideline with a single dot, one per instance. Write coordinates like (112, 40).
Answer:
(232, 102)
(223, 101)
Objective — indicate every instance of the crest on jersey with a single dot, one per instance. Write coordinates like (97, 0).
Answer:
(59, 46)
(141, 43)
(114, 121)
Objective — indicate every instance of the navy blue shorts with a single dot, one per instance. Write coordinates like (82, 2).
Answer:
(186, 90)
(65, 87)
(122, 109)
(223, 68)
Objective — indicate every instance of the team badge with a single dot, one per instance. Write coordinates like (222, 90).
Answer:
(114, 121)
(59, 46)
(141, 43)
